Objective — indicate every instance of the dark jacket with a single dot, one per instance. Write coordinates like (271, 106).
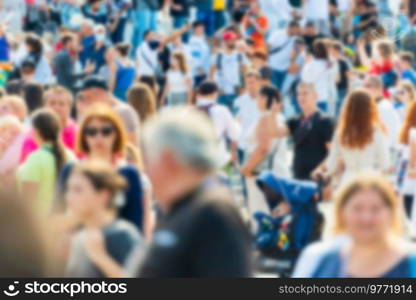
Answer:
(201, 236)
(64, 70)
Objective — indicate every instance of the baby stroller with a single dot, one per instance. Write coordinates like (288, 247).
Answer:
(279, 240)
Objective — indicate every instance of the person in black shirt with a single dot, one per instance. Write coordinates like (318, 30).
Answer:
(199, 231)
(179, 10)
(310, 35)
(311, 133)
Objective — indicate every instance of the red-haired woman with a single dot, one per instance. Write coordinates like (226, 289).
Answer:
(360, 143)
(407, 171)
(102, 137)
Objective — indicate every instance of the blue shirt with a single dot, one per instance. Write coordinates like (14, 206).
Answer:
(87, 43)
(4, 49)
(409, 75)
(97, 56)
(332, 266)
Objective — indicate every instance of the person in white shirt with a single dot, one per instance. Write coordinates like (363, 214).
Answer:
(246, 107)
(278, 12)
(387, 113)
(225, 125)
(12, 14)
(264, 147)
(317, 11)
(200, 53)
(147, 55)
(281, 47)
(178, 81)
(360, 143)
(322, 72)
(226, 67)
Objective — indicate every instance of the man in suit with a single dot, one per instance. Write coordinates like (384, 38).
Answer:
(66, 74)
(311, 132)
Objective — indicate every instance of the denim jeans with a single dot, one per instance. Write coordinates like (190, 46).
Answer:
(278, 78)
(208, 18)
(143, 20)
(342, 93)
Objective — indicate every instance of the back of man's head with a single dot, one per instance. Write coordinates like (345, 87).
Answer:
(207, 89)
(187, 133)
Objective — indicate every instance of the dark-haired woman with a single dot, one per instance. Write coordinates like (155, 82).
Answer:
(122, 70)
(263, 145)
(37, 176)
(35, 52)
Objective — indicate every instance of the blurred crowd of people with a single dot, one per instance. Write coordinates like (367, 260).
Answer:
(132, 133)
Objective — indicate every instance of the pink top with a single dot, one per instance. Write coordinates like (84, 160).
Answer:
(67, 136)
(10, 158)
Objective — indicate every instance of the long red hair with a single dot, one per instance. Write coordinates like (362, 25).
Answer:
(409, 123)
(359, 119)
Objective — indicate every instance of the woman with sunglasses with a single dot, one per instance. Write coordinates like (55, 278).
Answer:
(102, 136)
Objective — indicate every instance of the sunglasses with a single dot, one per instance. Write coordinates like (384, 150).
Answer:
(104, 131)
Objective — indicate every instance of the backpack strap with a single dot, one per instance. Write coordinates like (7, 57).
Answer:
(219, 62)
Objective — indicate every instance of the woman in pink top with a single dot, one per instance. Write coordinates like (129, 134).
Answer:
(59, 100)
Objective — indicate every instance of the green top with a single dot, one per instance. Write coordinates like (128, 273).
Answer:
(40, 168)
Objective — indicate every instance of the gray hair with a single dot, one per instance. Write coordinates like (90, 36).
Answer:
(187, 132)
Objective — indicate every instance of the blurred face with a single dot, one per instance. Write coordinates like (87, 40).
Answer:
(262, 103)
(199, 30)
(374, 90)
(366, 217)
(309, 31)
(6, 109)
(254, 8)
(230, 44)
(252, 82)
(60, 104)
(175, 62)
(81, 197)
(90, 97)
(96, 6)
(306, 99)
(100, 136)
(403, 95)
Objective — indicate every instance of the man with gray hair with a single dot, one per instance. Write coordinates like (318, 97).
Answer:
(311, 132)
(200, 232)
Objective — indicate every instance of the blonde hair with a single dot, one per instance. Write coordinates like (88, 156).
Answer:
(57, 89)
(143, 100)
(18, 105)
(365, 181)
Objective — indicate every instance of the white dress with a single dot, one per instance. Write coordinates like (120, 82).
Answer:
(409, 184)
(276, 161)
(373, 157)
